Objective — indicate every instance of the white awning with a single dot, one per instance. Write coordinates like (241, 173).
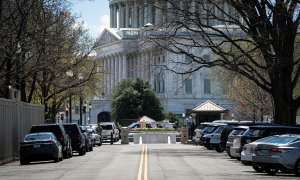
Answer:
(208, 106)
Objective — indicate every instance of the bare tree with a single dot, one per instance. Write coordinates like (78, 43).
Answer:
(41, 41)
(238, 32)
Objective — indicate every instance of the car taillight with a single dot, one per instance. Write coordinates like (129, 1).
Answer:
(78, 136)
(280, 150)
(49, 142)
(61, 137)
(113, 131)
(25, 144)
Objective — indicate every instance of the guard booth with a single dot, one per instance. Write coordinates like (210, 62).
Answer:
(208, 112)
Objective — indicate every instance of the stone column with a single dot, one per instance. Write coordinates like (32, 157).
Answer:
(157, 14)
(146, 13)
(125, 67)
(111, 17)
(141, 15)
(151, 76)
(120, 16)
(126, 15)
(135, 15)
(112, 66)
(115, 16)
(143, 65)
(120, 62)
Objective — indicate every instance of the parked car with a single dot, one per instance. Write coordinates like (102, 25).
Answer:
(88, 138)
(40, 147)
(77, 138)
(249, 151)
(60, 134)
(110, 131)
(282, 153)
(236, 132)
(96, 138)
(206, 134)
(254, 133)
(198, 132)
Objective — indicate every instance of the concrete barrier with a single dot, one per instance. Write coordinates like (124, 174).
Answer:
(124, 135)
(154, 138)
(184, 135)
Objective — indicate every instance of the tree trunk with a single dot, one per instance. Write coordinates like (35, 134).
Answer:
(284, 107)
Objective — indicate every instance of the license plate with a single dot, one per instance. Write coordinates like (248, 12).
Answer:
(264, 152)
(36, 146)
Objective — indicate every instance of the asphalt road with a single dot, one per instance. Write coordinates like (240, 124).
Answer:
(139, 162)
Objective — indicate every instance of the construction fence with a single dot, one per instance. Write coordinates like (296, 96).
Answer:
(16, 119)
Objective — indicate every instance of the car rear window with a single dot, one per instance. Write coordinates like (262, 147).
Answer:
(71, 129)
(37, 137)
(54, 129)
(282, 139)
(106, 126)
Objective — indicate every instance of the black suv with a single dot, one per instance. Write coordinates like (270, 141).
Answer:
(77, 137)
(59, 131)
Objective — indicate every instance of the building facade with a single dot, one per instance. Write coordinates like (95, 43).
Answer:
(124, 55)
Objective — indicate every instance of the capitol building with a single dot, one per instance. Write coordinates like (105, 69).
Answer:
(123, 54)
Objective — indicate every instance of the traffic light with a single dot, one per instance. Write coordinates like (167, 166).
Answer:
(84, 109)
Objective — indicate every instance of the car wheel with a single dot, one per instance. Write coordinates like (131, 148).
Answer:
(272, 171)
(258, 169)
(81, 151)
(209, 147)
(24, 161)
(56, 159)
(61, 158)
(66, 154)
(220, 150)
(297, 168)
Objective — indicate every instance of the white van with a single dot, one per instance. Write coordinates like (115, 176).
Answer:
(108, 129)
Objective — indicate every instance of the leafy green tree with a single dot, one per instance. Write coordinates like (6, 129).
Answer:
(135, 98)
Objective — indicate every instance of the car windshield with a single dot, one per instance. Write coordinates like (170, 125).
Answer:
(106, 126)
(37, 137)
(210, 129)
(237, 132)
(219, 130)
(254, 132)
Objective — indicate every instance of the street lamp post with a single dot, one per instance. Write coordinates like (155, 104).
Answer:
(84, 111)
(80, 77)
(90, 113)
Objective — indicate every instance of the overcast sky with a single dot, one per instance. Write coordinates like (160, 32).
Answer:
(94, 13)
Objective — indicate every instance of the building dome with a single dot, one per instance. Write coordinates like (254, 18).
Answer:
(131, 13)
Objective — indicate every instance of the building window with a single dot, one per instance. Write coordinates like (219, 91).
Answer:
(188, 86)
(159, 84)
(207, 87)
(159, 59)
(206, 57)
(188, 59)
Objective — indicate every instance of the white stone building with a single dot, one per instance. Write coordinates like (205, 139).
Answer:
(123, 56)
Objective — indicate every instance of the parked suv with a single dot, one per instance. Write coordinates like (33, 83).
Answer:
(88, 138)
(254, 133)
(77, 137)
(60, 134)
(109, 132)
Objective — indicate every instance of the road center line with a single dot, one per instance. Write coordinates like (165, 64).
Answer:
(143, 164)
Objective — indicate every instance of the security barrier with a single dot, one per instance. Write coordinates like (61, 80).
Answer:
(16, 119)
